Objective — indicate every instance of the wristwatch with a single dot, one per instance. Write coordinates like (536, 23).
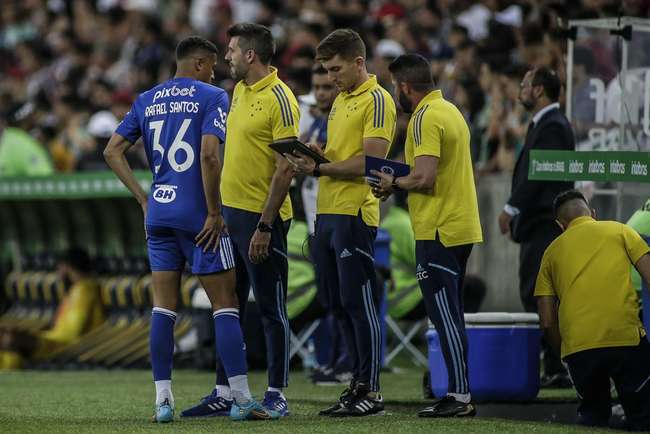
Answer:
(316, 171)
(263, 227)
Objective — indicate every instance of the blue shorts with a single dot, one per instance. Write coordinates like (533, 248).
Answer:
(170, 248)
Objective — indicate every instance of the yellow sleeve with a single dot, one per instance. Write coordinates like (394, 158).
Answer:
(285, 113)
(544, 283)
(71, 322)
(634, 244)
(380, 117)
(427, 134)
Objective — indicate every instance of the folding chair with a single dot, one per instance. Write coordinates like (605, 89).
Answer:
(403, 303)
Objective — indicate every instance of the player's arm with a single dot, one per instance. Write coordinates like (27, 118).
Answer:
(547, 307)
(643, 267)
(379, 120)
(428, 138)
(213, 134)
(210, 235)
(284, 118)
(280, 183)
(356, 166)
(125, 136)
(114, 154)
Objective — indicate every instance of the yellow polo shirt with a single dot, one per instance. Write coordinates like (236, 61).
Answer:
(438, 129)
(588, 269)
(259, 115)
(366, 112)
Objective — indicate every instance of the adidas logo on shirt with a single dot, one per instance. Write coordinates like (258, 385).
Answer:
(345, 254)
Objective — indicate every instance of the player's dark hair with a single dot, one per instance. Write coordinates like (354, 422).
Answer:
(414, 70)
(194, 44)
(565, 197)
(548, 79)
(78, 259)
(345, 42)
(254, 37)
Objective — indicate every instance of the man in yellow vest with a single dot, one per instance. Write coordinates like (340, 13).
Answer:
(361, 122)
(589, 311)
(444, 215)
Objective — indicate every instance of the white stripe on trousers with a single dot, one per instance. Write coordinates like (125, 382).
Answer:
(462, 386)
(373, 311)
(463, 358)
(285, 324)
(452, 345)
(375, 334)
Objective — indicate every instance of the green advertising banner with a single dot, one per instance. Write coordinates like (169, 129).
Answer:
(75, 186)
(589, 166)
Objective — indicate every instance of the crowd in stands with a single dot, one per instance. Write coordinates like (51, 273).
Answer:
(69, 69)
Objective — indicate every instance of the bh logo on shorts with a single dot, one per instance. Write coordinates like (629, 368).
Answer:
(421, 273)
(164, 193)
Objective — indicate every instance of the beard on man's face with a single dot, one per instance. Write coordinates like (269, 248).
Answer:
(405, 103)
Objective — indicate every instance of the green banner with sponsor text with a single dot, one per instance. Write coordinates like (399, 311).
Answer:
(589, 166)
(88, 185)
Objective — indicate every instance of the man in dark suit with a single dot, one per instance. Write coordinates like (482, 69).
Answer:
(528, 214)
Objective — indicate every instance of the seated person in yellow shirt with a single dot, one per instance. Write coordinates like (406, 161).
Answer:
(590, 313)
(79, 312)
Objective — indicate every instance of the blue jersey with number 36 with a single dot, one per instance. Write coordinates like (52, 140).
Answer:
(171, 118)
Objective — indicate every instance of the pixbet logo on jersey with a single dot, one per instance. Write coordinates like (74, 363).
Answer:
(164, 193)
(174, 91)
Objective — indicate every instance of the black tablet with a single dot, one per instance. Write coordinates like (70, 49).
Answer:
(283, 147)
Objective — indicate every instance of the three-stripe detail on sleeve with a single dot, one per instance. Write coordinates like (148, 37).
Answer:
(379, 105)
(417, 125)
(285, 106)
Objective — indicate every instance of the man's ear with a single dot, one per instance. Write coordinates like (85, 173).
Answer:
(359, 62)
(250, 56)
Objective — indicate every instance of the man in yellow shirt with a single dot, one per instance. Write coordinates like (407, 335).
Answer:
(589, 311)
(444, 215)
(256, 206)
(79, 312)
(361, 122)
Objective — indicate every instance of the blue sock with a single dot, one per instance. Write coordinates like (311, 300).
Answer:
(230, 341)
(161, 343)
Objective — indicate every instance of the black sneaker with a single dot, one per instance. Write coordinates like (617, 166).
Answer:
(346, 397)
(449, 407)
(363, 406)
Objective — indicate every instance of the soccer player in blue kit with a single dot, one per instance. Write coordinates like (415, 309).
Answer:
(183, 123)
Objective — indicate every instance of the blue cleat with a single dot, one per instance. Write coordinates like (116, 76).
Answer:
(210, 406)
(275, 402)
(252, 410)
(164, 412)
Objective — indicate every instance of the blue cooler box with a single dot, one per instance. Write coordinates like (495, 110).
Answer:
(503, 357)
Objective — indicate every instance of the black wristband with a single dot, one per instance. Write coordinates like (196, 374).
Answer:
(263, 227)
(316, 171)
(394, 184)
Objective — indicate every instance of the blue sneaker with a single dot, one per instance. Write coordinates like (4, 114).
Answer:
(164, 412)
(275, 402)
(253, 410)
(210, 406)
